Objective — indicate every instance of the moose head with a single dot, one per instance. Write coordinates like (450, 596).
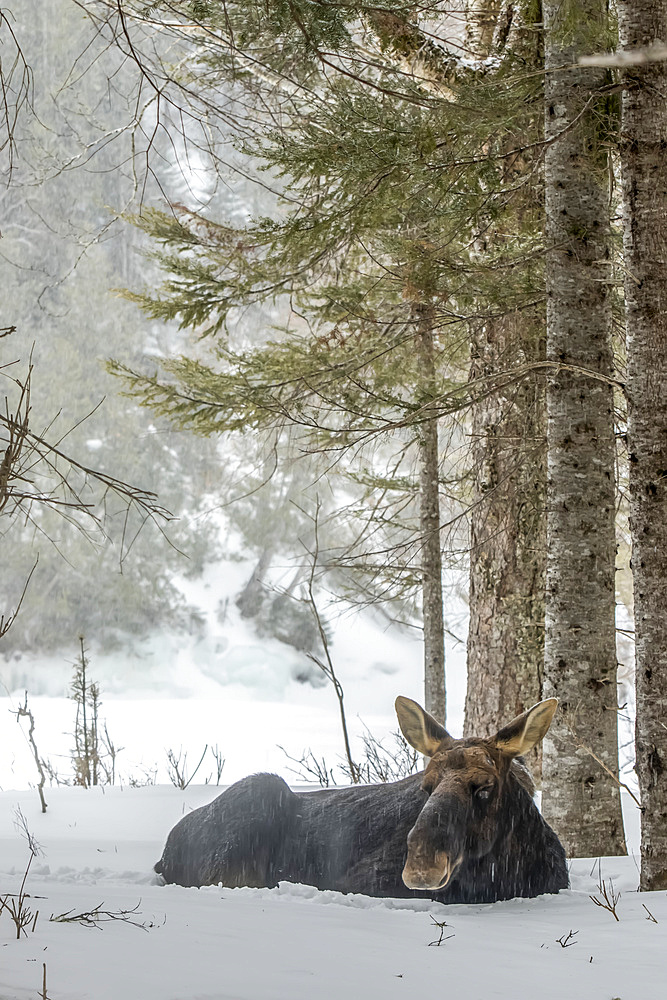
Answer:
(470, 783)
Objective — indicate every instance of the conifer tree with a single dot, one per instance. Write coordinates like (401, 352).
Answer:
(360, 162)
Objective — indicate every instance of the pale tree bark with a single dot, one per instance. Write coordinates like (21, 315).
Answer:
(429, 523)
(580, 798)
(644, 168)
(507, 519)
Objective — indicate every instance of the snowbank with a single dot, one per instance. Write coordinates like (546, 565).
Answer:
(293, 942)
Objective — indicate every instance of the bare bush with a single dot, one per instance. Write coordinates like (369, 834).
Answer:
(177, 768)
(310, 768)
(16, 904)
(219, 763)
(607, 897)
(149, 777)
(85, 756)
(94, 754)
(381, 763)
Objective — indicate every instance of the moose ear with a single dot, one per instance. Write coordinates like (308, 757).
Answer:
(528, 729)
(419, 728)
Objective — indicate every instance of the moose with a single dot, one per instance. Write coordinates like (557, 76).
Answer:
(465, 830)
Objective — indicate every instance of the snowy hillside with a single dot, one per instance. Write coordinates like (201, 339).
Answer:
(293, 942)
(225, 687)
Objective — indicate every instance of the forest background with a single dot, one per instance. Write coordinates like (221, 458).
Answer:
(401, 229)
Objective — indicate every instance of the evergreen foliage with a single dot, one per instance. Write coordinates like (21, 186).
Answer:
(394, 194)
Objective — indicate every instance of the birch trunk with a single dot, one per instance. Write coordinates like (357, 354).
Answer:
(643, 158)
(580, 799)
(429, 518)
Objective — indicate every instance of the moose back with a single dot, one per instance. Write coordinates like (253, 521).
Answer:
(464, 830)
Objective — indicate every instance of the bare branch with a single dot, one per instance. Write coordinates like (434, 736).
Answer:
(15, 93)
(624, 58)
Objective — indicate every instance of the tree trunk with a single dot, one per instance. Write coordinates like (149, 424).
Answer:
(580, 800)
(643, 152)
(507, 519)
(250, 600)
(429, 524)
(480, 19)
(507, 541)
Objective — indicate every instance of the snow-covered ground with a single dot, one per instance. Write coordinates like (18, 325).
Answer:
(227, 688)
(293, 942)
(241, 695)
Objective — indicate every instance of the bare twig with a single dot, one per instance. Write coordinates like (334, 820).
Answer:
(149, 778)
(6, 623)
(15, 89)
(98, 916)
(22, 451)
(108, 761)
(384, 764)
(24, 712)
(219, 762)
(580, 745)
(310, 768)
(177, 768)
(442, 925)
(567, 940)
(15, 903)
(608, 897)
(327, 666)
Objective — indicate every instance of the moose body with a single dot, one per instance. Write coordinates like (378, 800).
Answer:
(465, 830)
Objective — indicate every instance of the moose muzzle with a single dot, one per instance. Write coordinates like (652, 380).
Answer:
(432, 870)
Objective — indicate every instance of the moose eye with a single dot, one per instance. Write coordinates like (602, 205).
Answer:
(483, 791)
(428, 785)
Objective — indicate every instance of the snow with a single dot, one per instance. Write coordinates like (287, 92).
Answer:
(293, 942)
(230, 690)
(225, 687)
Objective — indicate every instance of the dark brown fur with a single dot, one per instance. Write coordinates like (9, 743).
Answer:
(437, 825)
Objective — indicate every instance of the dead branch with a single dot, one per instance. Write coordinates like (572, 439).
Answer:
(608, 897)
(24, 450)
(98, 916)
(580, 745)
(327, 667)
(15, 904)
(310, 768)
(6, 623)
(24, 712)
(625, 58)
(15, 92)
(442, 925)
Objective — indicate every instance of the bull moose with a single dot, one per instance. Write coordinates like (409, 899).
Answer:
(465, 830)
